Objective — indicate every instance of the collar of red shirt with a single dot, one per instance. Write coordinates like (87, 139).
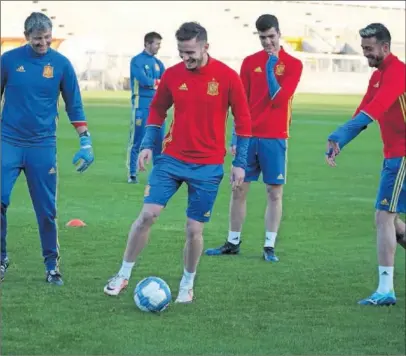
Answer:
(203, 70)
(386, 62)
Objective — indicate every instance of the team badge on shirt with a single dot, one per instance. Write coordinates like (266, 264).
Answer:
(280, 69)
(213, 88)
(48, 71)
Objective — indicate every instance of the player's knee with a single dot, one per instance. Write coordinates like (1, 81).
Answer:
(194, 229)
(274, 192)
(240, 193)
(148, 216)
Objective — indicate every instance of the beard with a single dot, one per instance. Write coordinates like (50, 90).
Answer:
(375, 61)
(193, 63)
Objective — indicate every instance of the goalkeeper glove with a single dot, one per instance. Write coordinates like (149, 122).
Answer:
(84, 157)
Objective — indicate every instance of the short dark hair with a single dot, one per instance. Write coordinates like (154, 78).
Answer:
(266, 22)
(190, 30)
(377, 30)
(151, 36)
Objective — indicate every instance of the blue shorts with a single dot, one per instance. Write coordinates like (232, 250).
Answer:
(203, 181)
(269, 156)
(392, 187)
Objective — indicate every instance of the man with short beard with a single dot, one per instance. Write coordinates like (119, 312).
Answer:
(32, 77)
(384, 102)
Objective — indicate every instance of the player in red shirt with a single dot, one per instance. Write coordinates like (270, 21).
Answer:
(201, 89)
(384, 102)
(270, 78)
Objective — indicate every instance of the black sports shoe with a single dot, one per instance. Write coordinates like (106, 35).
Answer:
(3, 268)
(269, 254)
(132, 180)
(54, 277)
(227, 249)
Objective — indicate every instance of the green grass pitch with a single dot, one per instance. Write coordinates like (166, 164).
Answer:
(305, 304)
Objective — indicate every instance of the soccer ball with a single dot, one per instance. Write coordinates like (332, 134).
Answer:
(152, 294)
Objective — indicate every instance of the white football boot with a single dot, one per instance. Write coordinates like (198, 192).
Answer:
(116, 285)
(185, 295)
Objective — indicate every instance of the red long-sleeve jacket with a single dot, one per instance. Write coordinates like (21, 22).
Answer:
(201, 100)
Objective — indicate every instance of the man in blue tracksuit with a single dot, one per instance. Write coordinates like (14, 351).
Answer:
(32, 77)
(145, 73)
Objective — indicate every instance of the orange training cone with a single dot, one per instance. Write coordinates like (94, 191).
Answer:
(75, 223)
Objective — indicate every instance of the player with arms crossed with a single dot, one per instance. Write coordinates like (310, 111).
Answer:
(32, 77)
(201, 89)
(145, 74)
(384, 102)
(270, 79)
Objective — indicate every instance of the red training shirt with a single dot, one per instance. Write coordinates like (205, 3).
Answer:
(385, 102)
(271, 118)
(201, 101)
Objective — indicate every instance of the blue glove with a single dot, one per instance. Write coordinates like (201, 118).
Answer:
(84, 157)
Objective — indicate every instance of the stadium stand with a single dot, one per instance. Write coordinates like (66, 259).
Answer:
(100, 38)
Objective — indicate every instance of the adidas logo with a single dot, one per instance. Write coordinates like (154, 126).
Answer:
(258, 70)
(207, 215)
(20, 69)
(280, 176)
(52, 171)
(385, 202)
(376, 85)
(183, 87)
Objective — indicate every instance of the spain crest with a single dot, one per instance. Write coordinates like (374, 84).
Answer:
(48, 71)
(280, 69)
(213, 88)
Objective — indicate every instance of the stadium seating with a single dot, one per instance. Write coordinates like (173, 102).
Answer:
(102, 37)
(322, 26)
